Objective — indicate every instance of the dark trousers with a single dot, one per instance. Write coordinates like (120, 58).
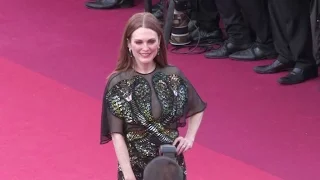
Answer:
(315, 27)
(233, 13)
(290, 21)
(206, 14)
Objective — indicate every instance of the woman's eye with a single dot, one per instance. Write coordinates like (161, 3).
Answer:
(151, 41)
(138, 42)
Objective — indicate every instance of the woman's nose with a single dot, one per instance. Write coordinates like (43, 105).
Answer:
(145, 46)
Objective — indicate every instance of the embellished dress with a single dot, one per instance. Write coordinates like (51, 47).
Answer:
(147, 110)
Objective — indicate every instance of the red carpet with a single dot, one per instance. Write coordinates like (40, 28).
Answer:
(54, 57)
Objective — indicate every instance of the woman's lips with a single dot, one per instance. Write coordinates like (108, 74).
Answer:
(145, 54)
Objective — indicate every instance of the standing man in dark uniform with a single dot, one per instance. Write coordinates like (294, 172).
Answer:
(290, 20)
(239, 44)
(207, 18)
(315, 28)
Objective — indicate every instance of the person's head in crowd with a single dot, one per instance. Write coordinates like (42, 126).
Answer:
(163, 168)
(142, 43)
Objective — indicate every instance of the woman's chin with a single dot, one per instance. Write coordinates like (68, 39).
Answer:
(146, 60)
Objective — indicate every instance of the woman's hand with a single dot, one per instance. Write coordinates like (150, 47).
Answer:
(183, 144)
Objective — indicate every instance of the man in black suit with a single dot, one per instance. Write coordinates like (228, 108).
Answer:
(290, 21)
(315, 28)
(109, 4)
(239, 18)
(207, 18)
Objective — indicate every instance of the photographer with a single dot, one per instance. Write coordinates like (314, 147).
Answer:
(163, 168)
(203, 14)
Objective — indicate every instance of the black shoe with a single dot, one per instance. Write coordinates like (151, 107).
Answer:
(256, 52)
(203, 35)
(275, 67)
(298, 75)
(225, 50)
(109, 4)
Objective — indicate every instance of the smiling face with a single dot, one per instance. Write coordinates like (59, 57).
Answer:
(144, 45)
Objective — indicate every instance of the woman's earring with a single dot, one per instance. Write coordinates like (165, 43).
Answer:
(158, 51)
(130, 53)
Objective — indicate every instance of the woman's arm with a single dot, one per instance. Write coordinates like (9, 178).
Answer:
(193, 126)
(122, 155)
(187, 142)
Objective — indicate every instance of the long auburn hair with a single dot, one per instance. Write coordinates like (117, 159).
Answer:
(138, 20)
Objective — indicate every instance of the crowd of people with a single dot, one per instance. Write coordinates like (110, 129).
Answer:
(146, 100)
(287, 31)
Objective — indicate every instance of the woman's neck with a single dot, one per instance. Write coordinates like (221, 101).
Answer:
(145, 68)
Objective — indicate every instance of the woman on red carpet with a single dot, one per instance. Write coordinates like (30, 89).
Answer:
(146, 100)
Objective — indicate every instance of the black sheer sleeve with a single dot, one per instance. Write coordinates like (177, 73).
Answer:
(109, 123)
(195, 103)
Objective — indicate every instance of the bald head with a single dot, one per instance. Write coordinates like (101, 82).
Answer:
(163, 168)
